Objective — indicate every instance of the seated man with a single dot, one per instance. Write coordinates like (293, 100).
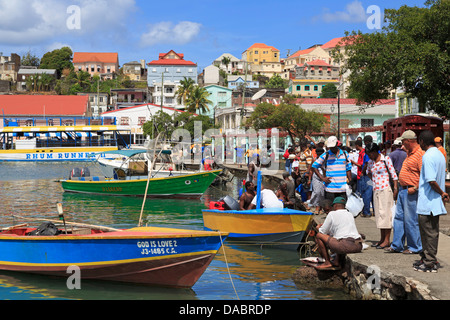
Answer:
(268, 200)
(247, 197)
(339, 234)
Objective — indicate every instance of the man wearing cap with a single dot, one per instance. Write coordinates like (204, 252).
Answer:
(337, 169)
(430, 201)
(438, 141)
(398, 155)
(339, 234)
(406, 222)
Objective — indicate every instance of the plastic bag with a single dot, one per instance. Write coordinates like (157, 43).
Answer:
(355, 204)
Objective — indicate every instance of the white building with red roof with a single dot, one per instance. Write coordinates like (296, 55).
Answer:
(169, 69)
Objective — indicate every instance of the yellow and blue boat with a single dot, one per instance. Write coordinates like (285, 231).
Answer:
(276, 227)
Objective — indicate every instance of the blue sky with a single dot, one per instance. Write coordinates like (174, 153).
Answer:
(201, 29)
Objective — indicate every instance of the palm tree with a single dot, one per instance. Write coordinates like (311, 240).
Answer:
(198, 100)
(45, 81)
(226, 61)
(83, 79)
(184, 90)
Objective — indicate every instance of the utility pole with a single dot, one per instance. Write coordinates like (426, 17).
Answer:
(162, 90)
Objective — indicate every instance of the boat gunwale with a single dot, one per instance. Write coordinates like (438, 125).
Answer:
(260, 212)
(142, 180)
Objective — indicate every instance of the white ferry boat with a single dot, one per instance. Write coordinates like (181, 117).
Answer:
(78, 142)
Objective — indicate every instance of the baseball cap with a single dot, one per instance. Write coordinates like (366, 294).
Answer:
(438, 139)
(332, 142)
(398, 142)
(409, 134)
(339, 200)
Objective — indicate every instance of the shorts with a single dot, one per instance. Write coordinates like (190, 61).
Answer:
(344, 246)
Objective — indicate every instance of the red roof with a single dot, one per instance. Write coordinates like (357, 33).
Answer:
(262, 45)
(342, 101)
(145, 105)
(43, 105)
(163, 61)
(318, 62)
(104, 57)
(334, 42)
(171, 62)
(301, 52)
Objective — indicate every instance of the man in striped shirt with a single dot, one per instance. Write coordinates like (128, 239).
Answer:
(406, 222)
(337, 169)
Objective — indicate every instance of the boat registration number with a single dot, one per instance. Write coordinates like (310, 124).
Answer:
(158, 247)
(112, 189)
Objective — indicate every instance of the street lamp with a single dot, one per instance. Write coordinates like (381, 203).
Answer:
(339, 110)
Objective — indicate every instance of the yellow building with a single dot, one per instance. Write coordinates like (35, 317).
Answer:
(261, 53)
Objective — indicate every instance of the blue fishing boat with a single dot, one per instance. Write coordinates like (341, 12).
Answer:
(144, 255)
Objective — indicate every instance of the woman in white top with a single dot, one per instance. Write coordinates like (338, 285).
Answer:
(381, 170)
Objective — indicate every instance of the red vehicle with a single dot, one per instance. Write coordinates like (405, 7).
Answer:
(394, 128)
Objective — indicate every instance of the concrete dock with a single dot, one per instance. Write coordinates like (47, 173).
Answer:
(376, 274)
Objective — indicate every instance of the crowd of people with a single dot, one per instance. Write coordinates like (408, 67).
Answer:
(402, 185)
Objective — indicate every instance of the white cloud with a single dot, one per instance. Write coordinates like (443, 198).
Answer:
(354, 12)
(168, 33)
(28, 22)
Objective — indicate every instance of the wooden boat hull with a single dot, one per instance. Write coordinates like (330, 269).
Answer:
(280, 228)
(193, 185)
(152, 256)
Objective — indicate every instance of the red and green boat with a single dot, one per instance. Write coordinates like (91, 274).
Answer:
(189, 185)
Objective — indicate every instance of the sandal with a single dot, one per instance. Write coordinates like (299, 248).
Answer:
(391, 250)
(407, 251)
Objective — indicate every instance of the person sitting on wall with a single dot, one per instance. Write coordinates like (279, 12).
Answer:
(338, 233)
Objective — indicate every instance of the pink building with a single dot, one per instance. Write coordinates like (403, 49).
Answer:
(104, 64)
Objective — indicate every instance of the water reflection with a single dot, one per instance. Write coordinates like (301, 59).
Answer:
(32, 190)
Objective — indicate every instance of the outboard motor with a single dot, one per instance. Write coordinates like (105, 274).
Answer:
(75, 173)
(85, 172)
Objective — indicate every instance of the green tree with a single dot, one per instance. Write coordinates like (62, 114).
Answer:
(45, 81)
(184, 90)
(296, 121)
(186, 120)
(411, 52)
(198, 100)
(58, 59)
(276, 82)
(161, 122)
(329, 91)
(29, 59)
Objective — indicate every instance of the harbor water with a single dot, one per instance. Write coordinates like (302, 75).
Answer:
(237, 272)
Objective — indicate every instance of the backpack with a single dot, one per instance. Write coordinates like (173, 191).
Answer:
(325, 163)
(45, 229)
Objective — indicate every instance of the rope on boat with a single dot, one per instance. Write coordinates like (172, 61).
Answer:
(228, 268)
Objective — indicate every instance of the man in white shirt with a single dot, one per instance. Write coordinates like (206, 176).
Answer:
(339, 234)
(268, 200)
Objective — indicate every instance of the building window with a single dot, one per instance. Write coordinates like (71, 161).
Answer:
(142, 120)
(367, 123)
(306, 88)
(316, 88)
(124, 121)
(299, 88)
